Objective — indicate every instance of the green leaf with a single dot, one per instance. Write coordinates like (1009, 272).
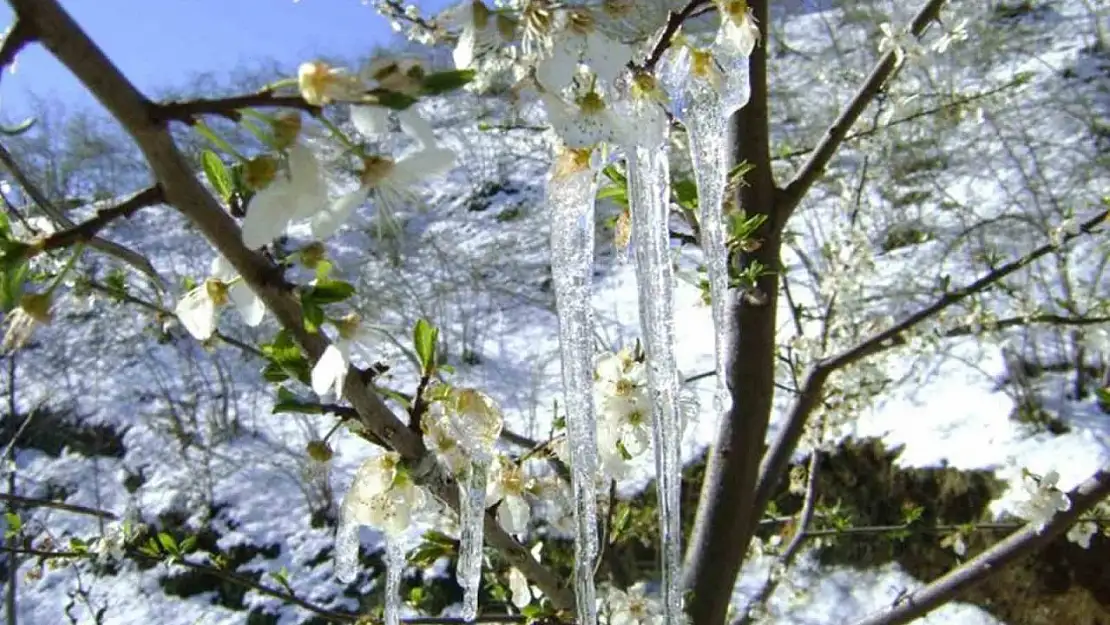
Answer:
(188, 544)
(77, 545)
(14, 524)
(167, 542)
(313, 316)
(686, 192)
(424, 337)
(297, 406)
(329, 292)
(217, 174)
(442, 82)
(390, 99)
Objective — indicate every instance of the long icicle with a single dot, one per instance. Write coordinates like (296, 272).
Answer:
(571, 192)
(472, 515)
(707, 131)
(394, 568)
(649, 195)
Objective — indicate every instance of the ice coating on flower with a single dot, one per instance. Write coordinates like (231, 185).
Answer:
(633, 607)
(381, 496)
(507, 486)
(581, 41)
(739, 31)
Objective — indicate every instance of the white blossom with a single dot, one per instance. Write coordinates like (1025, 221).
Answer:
(1043, 501)
(739, 31)
(299, 194)
(382, 496)
(320, 83)
(586, 123)
(633, 607)
(330, 371)
(580, 41)
(479, 33)
(110, 546)
(507, 486)
(522, 592)
(1081, 533)
(198, 308)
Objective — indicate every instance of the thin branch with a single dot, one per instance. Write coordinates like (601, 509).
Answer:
(88, 229)
(187, 111)
(131, 257)
(778, 456)
(835, 135)
(34, 502)
(674, 22)
(1018, 545)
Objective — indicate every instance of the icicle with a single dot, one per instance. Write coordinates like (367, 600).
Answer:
(394, 568)
(707, 133)
(649, 194)
(346, 547)
(472, 515)
(571, 191)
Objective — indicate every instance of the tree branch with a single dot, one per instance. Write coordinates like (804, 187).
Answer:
(65, 39)
(131, 257)
(1009, 550)
(835, 135)
(14, 40)
(34, 502)
(186, 111)
(725, 518)
(674, 22)
(87, 230)
(778, 456)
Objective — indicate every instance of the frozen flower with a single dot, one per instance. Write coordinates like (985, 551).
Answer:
(646, 118)
(507, 485)
(633, 607)
(438, 437)
(330, 371)
(462, 427)
(580, 41)
(320, 83)
(522, 592)
(33, 311)
(1043, 501)
(739, 30)
(198, 308)
(1081, 533)
(298, 194)
(382, 496)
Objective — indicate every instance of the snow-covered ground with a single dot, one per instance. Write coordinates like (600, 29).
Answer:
(197, 427)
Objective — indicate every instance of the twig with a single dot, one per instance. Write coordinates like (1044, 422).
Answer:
(836, 133)
(34, 502)
(131, 257)
(88, 229)
(187, 111)
(674, 22)
(1007, 551)
(778, 456)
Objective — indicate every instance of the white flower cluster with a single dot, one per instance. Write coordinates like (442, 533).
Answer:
(1042, 499)
(633, 606)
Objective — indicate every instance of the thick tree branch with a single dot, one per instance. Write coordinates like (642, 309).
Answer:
(64, 38)
(187, 111)
(131, 257)
(725, 518)
(88, 229)
(1008, 551)
(835, 135)
(14, 40)
(778, 456)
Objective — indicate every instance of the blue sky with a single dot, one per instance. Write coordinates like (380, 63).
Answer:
(161, 43)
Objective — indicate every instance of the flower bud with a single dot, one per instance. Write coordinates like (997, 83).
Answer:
(375, 169)
(319, 451)
(286, 128)
(37, 306)
(312, 254)
(259, 172)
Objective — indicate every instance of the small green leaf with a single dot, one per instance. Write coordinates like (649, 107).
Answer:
(188, 544)
(390, 99)
(329, 292)
(442, 82)
(217, 174)
(167, 542)
(297, 406)
(313, 316)
(424, 337)
(14, 524)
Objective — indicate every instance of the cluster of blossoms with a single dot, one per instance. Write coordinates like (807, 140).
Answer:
(1042, 499)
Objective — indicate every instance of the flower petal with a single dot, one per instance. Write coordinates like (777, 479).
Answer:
(514, 514)
(329, 372)
(518, 584)
(417, 127)
(326, 223)
(197, 312)
(370, 121)
(268, 213)
(248, 304)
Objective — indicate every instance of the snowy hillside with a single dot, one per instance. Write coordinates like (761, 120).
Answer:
(182, 436)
